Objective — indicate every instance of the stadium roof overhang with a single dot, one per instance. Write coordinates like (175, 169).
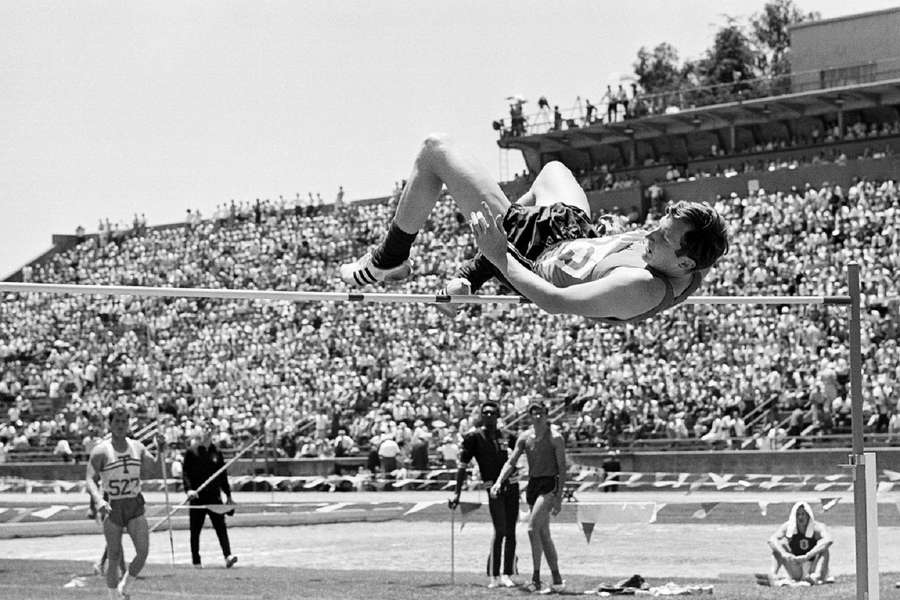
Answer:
(757, 111)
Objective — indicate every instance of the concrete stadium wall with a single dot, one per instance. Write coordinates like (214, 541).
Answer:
(285, 467)
(708, 189)
(788, 462)
(616, 201)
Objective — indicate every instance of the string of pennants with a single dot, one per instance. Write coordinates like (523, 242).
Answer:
(584, 479)
(589, 515)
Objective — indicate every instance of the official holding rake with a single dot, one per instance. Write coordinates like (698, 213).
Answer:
(201, 461)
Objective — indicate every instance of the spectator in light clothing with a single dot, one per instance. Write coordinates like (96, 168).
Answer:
(449, 452)
(388, 450)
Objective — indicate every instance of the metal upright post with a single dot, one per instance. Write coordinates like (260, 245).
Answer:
(857, 460)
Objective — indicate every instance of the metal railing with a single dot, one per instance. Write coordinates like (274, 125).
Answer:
(688, 97)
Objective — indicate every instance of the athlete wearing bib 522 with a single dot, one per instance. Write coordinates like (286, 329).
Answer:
(545, 246)
(114, 481)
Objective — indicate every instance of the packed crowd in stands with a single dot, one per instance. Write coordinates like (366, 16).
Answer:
(605, 176)
(336, 378)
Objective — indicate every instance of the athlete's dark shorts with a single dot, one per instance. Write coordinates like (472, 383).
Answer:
(126, 509)
(529, 231)
(532, 229)
(538, 486)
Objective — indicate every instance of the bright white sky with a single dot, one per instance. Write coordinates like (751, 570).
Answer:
(111, 108)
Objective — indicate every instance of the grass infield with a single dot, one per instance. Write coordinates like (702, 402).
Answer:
(45, 580)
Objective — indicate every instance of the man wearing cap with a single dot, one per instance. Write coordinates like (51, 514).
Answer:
(545, 450)
(488, 447)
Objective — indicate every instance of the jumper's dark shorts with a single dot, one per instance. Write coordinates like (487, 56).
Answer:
(124, 510)
(538, 486)
(532, 229)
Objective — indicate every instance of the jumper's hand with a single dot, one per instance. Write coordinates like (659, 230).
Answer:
(103, 510)
(489, 234)
(192, 494)
(495, 490)
(557, 504)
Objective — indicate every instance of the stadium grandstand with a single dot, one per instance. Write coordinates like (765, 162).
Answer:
(806, 176)
(302, 394)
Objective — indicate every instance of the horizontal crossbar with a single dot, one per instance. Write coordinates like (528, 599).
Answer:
(293, 296)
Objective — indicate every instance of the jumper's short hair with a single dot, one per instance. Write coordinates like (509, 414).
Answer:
(707, 239)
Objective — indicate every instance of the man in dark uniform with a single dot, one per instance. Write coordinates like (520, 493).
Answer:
(201, 460)
(490, 450)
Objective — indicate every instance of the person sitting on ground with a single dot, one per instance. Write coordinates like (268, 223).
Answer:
(801, 546)
(545, 246)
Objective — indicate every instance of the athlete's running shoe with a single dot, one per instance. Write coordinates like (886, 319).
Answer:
(493, 582)
(558, 587)
(506, 581)
(537, 588)
(361, 271)
(229, 562)
(122, 590)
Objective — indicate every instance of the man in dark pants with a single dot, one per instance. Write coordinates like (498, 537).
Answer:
(201, 460)
(487, 446)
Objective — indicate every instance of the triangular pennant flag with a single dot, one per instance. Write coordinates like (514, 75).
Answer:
(829, 503)
(48, 512)
(635, 477)
(696, 484)
(467, 507)
(699, 514)
(656, 508)
(891, 475)
(763, 507)
(588, 529)
(708, 506)
(720, 482)
(421, 506)
(884, 487)
(775, 481)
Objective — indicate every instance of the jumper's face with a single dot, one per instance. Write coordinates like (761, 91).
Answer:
(802, 519)
(663, 243)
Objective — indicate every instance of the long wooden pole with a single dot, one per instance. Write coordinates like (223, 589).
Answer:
(212, 477)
